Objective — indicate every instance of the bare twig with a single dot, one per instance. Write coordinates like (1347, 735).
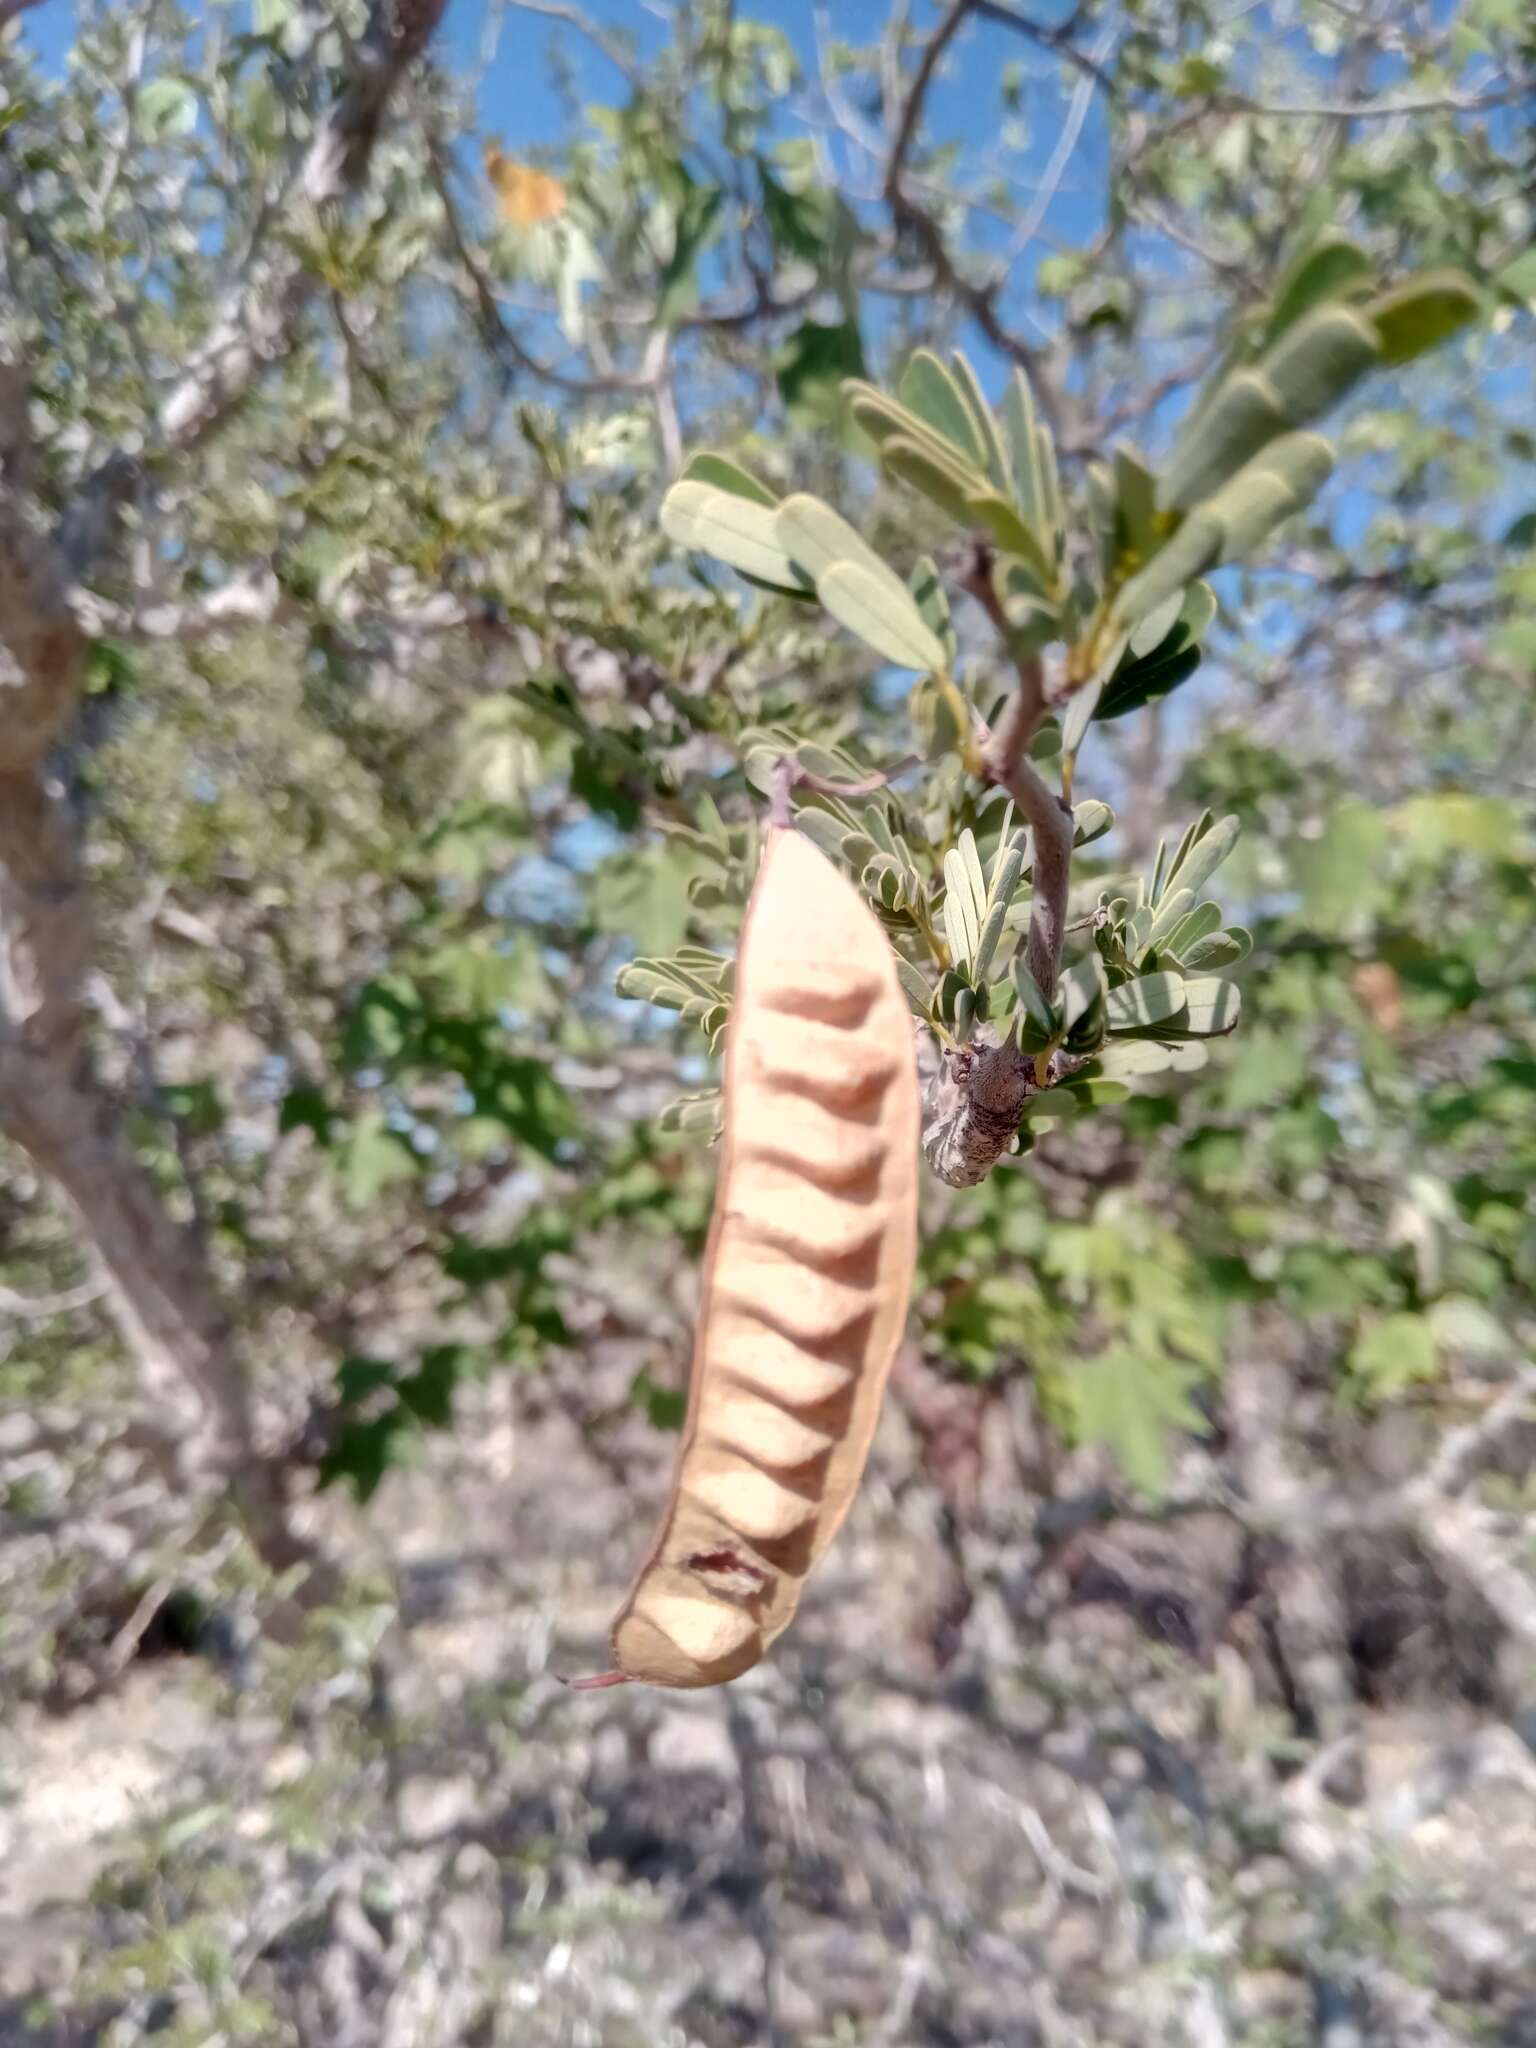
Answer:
(38, 1307)
(1058, 40)
(979, 300)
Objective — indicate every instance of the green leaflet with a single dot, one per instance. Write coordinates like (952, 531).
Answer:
(947, 484)
(991, 510)
(1420, 314)
(1021, 431)
(1203, 853)
(1153, 630)
(1244, 416)
(732, 528)
(1333, 267)
(1283, 480)
(709, 468)
(1135, 495)
(1084, 701)
(1127, 1059)
(1149, 1000)
(994, 459)
(1195, 547)
(1091, 819)
(929, 390)
(877, 606)
(929, 594)
(1317, 361)
(965, 900)
(815, 537)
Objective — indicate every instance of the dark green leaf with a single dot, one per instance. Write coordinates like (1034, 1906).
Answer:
(1419, 314)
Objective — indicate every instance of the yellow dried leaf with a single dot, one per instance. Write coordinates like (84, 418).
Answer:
(525, 195)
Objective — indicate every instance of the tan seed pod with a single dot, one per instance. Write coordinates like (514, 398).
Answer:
(806, 1279)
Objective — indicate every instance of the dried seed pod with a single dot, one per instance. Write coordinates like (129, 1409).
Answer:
(806, 1280)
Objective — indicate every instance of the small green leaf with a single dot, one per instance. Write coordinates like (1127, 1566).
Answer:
(816, 538)
(915, 988)
(1218, 949)
(1283, 480)
(1095, 1093)
(1245, 416)
(1149, 999)
(694, 1116)
(1333, 267)
(1091, 819)
(933, 603)
(1319, 359)
(1144, 681)
(1126, 1059)
(996, 462)
(946, 484)
(725, 475)
(1211, 1009)
(1198, 923)
(1135, 507)
(1004, 879)
(734, 529)
(1193, 549)
(1084, 700)
(936, 728)
(1171, 909)
(1198, 860)
(1082, 1003)
(1199, 610)
(928, 389)
(1037, 1022)
(964, 901)
(877, 606)
(1051, 1102)
(1418, 315)
(1154, 629)
(1130, 1403)
(1021, 432)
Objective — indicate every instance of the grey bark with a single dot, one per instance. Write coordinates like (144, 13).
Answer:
(51, 1103)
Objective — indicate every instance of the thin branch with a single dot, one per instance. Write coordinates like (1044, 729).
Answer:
(1057, 40)
(259, 319)
(573, 17)
(976, 1106)
(979, 300)
(912, 112)
(38, 1307)
(1056, 168)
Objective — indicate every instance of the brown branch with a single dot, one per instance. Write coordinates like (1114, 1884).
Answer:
(976, 1105)
(912, 112)
(978, 299)
(1057, 40)
(50, 1101)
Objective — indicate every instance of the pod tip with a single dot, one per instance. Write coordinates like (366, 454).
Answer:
(595, 1683)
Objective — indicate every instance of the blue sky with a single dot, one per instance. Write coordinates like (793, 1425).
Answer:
(519, 105)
